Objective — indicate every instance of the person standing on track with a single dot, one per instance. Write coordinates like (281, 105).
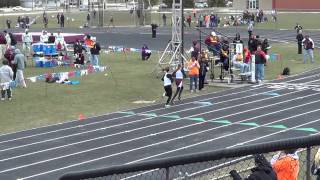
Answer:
(299, 39)
(179, 82)
(167, 82)
(308, 45)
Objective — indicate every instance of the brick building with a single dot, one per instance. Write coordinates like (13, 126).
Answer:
(290, 5)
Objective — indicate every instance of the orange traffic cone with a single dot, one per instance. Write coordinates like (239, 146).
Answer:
(81, 117)
(279, 77)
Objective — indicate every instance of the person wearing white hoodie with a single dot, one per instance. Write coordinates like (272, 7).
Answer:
(26, 42)
(6, 76)
(44, 38)
(59, 41)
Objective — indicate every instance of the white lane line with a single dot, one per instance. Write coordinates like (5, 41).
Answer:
(118, 125)
(255, 139)
(140, 120)
(116, 118)
(163, 123)
(162, 142)
(63, 123)
(108, 120)
(142, 137)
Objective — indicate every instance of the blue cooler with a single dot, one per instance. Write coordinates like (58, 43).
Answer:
(38, 47)
(39, 63)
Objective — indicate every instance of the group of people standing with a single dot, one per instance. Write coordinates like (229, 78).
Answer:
(12, 69)
(306, 43)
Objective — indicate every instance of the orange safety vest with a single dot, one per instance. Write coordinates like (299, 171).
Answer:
(286, 168)
(193, 68)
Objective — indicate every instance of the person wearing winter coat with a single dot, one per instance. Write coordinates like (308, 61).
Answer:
(6, 76)
(308, 45)
(20, 61)
(95, 51)
(262, 171)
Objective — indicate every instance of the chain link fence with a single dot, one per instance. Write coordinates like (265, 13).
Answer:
(215, 165)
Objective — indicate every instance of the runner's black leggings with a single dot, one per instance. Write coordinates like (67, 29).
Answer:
(179, 91)
(168, 90)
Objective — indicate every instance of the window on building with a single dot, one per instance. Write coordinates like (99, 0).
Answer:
(253, 4)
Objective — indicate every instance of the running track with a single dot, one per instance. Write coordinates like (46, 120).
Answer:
(226, 119)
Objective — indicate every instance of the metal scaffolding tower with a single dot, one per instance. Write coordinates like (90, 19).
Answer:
(174, 52)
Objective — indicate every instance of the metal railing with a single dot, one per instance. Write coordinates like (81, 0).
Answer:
(207, 165)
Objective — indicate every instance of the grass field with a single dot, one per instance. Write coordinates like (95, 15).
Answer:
(129, 80)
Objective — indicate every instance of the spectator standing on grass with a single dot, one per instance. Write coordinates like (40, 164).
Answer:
(88, 18)
(260, 61)
(250, 29)
(298, 27)
(59, 41)
(8, 21)
(20, 61)
(94, 14)
(204, 68)
(262, 171)
(27, 22)
(26, 42)
(95, 51)
(8, 39)
(164, 19)
(45, 21)
(51, 38)
(195, 49)
(9, 55)
(286, 164)
(308, 45)
(13, 40)
(265, 46)
(299, 40)
(154, 30)
(193, 67)
(6, 76)
(315, 168)
(62, 20)
(189, 20)
(252, 44)
(167, 84)
(44, 38)
(58, 18)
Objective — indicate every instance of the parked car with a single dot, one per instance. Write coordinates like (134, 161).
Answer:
(18, 8)
(201, 5)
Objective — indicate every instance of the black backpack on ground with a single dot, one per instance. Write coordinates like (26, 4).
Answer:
(286, 71)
